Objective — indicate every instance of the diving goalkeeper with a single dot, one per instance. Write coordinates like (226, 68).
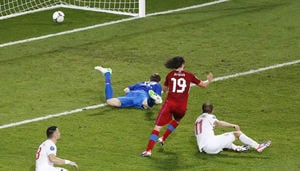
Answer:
(142, 95)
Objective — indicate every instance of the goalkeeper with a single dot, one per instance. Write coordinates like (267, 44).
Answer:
(142, 95)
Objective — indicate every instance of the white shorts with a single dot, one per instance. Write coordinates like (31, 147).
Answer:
(50, 168)
(217, 143)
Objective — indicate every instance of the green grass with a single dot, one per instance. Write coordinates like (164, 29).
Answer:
(56, 75)
(39, 24)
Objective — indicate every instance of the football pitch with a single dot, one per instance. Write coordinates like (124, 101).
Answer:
(57, 74)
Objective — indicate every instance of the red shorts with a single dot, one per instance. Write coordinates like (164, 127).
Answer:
(169, 109)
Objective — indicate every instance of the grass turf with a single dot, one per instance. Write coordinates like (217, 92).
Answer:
(56, 75)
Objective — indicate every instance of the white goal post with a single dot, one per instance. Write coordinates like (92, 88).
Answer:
(13, 8)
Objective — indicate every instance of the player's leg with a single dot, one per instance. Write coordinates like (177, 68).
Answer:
(246, 140)
(171, 127)
(115, 102)
(132, 99)
(178, 114)
(216, 144)
(212, 145)
(226, 142)
(152, 140)
(108, 87)
(139, 98)
(164, 116)
(249, 141)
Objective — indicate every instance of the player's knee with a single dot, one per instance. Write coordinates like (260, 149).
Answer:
(109, 102)
(113, 102)
(237, 134)
(157, 128)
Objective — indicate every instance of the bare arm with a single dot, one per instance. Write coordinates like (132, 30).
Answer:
(165, 89)
(227, 124)
(204, 84)
(60, 161)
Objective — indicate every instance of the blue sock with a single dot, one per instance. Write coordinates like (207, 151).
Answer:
(108, 86)
(107, 77)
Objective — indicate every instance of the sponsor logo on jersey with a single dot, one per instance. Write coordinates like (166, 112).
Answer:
(52, 148)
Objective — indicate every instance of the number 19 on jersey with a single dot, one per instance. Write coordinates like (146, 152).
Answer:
(179, 85)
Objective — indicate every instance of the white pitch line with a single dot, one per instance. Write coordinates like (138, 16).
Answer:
(52, 116)
(104, 104)
(108, 23)
(256, 70)
(187, 8)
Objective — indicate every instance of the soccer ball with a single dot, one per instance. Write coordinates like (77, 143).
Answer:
(58, 17)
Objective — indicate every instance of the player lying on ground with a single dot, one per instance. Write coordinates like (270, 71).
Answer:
(142, 95)
(46, 154)
(177, 84)
(210, 143)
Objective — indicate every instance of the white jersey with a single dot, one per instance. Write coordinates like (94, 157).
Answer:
(42, 156)
(204, 128)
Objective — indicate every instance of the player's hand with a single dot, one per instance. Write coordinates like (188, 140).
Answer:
(209, 77)
(126, 90)
(73, 164)
(158, 99)
(237, 128)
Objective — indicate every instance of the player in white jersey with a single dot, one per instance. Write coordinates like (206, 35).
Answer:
(210, 143)
(46, 153)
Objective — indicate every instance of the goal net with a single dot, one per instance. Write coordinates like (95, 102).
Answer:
(13, 8)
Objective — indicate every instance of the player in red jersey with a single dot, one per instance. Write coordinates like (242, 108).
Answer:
(177, 84)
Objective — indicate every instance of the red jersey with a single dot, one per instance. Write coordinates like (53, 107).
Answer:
(178, 83)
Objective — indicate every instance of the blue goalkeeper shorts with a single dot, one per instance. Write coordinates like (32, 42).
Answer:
(133, 99)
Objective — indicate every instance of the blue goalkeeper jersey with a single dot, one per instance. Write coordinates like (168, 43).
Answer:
(146, 86)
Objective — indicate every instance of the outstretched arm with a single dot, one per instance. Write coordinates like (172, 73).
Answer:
(227, 124)
(204, 84)
(60, 161)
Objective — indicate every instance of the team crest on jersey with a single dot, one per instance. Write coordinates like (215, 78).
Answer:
(52, 148)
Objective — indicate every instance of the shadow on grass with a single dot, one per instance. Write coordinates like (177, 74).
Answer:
(96, 114)
(108, 110)
(170, 161)
(170, 158)
(230, 154)
(149, 115)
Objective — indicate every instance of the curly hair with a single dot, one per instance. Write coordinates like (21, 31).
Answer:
(175, 62)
